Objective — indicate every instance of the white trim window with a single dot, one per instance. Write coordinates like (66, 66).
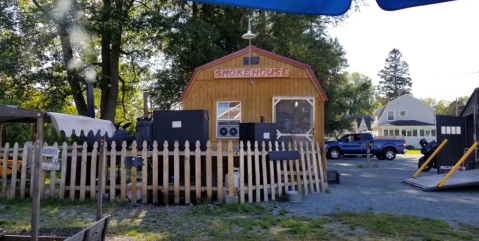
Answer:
(228, 117)
(390, 115)
(403, 113)
(294, 118)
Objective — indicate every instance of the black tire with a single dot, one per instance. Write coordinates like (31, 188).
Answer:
(389, 154)
(380, 157)
(333, 153)
(421, 162)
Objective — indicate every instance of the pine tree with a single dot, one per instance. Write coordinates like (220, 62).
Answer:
(395, 75)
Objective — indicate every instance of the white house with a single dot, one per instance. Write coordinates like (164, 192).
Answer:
(406, 116)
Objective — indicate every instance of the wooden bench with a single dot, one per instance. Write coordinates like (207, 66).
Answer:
(95, 232)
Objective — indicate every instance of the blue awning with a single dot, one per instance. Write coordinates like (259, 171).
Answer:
(318, 7)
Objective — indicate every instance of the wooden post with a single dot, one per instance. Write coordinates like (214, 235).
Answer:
(23, 176)
(198, 171)
(278, 173)
(250, 173)
(368, 151)
(166, 187)
(242, 173)
(113, 171)
(101, 165)
(133, 176)
(94, 158)
(83, 171)
(176, 172)
(14, 172)
(271, 174)
(155, 172)
(123, 172)
(187, 173)
(298, 169)
(230, 170)
(73, 172)
(315, 168)
(3, 193)
(256, 172)
(36, 180)
(144, 174)
(265, 174)
(219, 171)
(209, 172)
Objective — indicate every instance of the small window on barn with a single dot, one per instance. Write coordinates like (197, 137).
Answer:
(390, 115)
(402, 113)
(228, 117)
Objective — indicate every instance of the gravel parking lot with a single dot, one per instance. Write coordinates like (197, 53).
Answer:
(379, 189)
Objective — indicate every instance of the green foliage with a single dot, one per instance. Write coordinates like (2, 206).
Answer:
(395, 75)
(410, 147)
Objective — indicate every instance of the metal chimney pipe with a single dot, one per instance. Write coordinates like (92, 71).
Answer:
(146, 114)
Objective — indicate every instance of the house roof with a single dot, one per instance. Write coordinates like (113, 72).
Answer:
(380, 111)
(263, 52)
(471, 102)
(408, 123)
(367, 120)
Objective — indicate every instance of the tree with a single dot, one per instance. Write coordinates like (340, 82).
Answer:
(395, 75)
(50, 47)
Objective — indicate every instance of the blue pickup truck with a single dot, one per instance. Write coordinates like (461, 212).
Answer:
(355, 144)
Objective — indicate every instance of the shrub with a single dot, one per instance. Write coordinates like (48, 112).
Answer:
(410, 147)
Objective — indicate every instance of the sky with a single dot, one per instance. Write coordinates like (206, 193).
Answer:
(439, 42)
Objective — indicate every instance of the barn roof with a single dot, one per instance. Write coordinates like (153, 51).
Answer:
(260, 51)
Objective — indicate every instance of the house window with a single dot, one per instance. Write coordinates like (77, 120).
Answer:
(228, 117)
(403, 132)
(428, 133)
(433, 132)
(409, 132)
(414, 132)
(402, 113)
(390, 115)
(421, 132)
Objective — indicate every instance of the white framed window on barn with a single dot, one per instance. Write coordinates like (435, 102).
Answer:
(228, 117)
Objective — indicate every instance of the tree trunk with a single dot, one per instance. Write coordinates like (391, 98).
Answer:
(106, 57)
(72, 75)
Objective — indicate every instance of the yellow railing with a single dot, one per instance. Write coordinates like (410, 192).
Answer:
(430, 158)
(439, 184)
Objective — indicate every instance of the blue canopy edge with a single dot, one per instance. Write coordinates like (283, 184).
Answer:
(318, 7)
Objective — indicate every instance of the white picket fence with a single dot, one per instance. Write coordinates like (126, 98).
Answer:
(179, 175)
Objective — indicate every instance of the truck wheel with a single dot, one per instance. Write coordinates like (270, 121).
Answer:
(389, 154)
(333, 153)
(380, 157)
(421, 162)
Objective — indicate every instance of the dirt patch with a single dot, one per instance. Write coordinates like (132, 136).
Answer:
(54, 232)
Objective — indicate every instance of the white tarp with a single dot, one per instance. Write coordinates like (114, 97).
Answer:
(68, 123)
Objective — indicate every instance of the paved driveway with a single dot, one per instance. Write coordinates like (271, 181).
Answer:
(379, 189)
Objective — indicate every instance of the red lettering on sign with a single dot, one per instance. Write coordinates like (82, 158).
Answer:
(218, 73)
(277, 72)
(262, 72)
(285, 72)
(255, 72)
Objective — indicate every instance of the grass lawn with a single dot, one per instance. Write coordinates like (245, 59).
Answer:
(262, 221)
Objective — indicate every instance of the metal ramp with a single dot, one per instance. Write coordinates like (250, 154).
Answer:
(457, 179)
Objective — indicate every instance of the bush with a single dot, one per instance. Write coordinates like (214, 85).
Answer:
(410, 147)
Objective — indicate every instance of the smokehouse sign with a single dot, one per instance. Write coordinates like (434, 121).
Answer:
(280, 72)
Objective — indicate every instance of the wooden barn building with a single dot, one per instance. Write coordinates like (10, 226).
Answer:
(279, 90)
